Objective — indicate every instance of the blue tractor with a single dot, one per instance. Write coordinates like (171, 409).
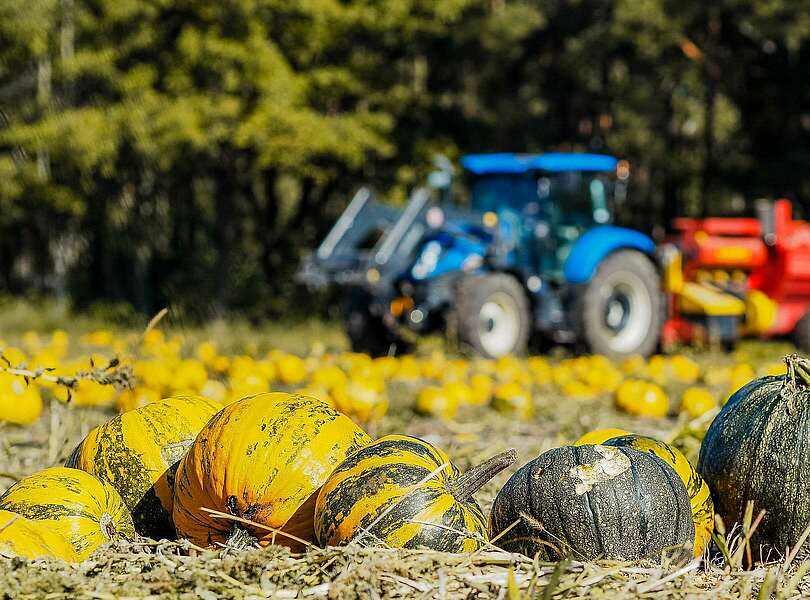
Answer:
(518, 247)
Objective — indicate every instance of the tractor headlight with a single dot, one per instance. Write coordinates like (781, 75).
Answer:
(427, 261)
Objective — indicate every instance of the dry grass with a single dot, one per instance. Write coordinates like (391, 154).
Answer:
(149, 569)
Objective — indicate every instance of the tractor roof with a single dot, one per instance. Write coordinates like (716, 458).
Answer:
(506, 162)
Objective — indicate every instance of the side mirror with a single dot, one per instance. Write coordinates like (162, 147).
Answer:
(440, 180)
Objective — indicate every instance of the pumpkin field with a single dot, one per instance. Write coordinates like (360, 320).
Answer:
(284, 466)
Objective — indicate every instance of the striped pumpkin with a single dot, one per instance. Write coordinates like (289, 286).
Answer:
(138, 451)
(405, 493)
(261, 458)
(81, 508)
(699, 495)
(22, 537)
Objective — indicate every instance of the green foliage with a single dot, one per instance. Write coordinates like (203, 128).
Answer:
(190, 151)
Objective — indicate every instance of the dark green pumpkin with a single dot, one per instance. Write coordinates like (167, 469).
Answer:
(758, 449)
(404, 492)
(589, 502)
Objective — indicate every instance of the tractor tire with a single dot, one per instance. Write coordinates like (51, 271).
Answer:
(492, 315)
(369, 335)
(620, 312)
(801, 333)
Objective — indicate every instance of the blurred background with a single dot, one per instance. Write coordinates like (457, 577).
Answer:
(189, 152)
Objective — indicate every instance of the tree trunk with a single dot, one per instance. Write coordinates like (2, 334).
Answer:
(708, 145)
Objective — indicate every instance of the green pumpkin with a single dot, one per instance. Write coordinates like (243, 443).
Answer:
(404, 492)
(590, 502)
(757, 449)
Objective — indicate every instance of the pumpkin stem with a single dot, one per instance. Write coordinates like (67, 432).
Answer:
(239, 538)
(474, 479)
(107, 524)
(798, 369)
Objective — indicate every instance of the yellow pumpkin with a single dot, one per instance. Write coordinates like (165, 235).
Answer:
(189, 374)
(408, 370)
(20, 403)
(481, 386)
(513, 399)
(363, 398)
(86, 511)
(699, 494)
(291, 369)
(579, 390)
(262, 458)
(215, 390)
(599, 436)
(684, 369)
(432, 400)
(539, 369)
(459, 389)
(696, 401)
(136, 398)
(642, 398)
(23, 537)
(138, 451)
(329, 377)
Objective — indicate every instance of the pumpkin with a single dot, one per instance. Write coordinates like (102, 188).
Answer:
(292, 370)
(78, 506)
(699, 495)
(697, 401)
(481, 386)
(138, 451)
(22, 537)
(363, 397)
(756, 449)
(513, 399)
(433, 400)
(591, 502)
(20, 403)
(261, 458)
(642, 398)
(599, 436)
(405, 493)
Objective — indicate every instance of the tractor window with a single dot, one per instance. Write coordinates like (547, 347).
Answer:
(576, 199)
(497, 192)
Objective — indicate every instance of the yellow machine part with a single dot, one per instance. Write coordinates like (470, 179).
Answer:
(760, 313)
(672, 261)
(704, 299)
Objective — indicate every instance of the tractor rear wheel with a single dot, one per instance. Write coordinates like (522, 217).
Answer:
(620, 311)
(492, 315)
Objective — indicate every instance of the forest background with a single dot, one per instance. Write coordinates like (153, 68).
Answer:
(189, 152)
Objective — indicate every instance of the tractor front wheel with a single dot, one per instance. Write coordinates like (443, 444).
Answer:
(492, 315)
(368, 334)
(620, 312)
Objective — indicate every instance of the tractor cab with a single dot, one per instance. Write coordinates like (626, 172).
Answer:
(544, 202)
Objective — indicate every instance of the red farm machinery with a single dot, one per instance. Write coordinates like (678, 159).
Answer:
(727, 277)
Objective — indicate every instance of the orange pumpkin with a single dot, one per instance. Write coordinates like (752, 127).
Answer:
(262, 458)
